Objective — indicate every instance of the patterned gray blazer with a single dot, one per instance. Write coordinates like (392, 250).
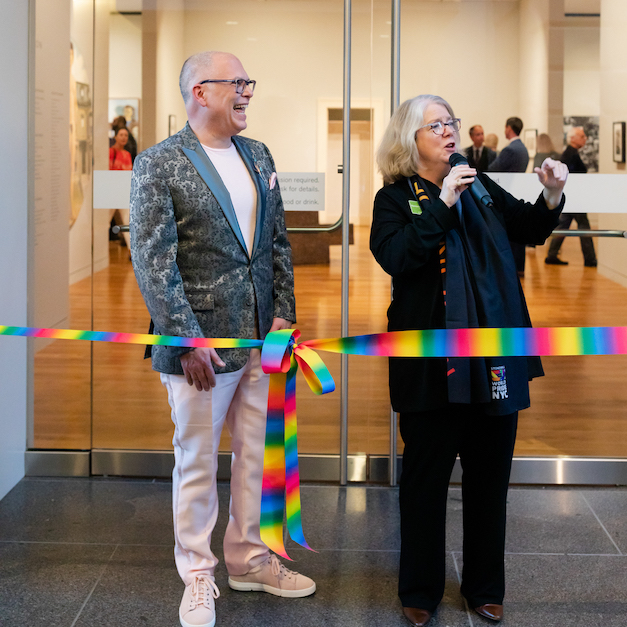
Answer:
(188, 252)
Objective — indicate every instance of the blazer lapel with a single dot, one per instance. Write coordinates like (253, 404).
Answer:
(257, 177)
(210, 176)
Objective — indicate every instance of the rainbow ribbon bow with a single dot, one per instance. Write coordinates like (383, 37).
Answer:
(281, 356)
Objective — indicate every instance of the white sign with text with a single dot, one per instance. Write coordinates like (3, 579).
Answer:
(302, 191)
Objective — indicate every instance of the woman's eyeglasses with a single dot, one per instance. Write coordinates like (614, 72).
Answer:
(438, 127)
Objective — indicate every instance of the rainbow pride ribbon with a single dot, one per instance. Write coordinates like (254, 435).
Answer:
(130, 338)
(282, 356)
(523, 342)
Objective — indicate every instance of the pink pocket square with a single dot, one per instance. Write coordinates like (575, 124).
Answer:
(273, 180)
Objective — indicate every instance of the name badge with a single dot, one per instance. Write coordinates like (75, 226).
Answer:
(415, 207)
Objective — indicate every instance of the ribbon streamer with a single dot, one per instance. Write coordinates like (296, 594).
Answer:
(282, 355)
(521, 342)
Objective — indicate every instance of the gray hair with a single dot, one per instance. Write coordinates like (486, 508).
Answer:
(573, 131)
(397, 156)
(189, 71)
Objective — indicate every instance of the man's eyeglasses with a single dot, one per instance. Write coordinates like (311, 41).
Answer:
(438, 127)
(240, 83)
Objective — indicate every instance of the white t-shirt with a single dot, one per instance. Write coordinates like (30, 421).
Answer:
(240, 186)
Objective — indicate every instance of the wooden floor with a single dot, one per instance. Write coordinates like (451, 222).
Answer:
(579, 408)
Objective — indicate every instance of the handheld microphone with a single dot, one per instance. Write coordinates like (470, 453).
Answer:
(478, 191)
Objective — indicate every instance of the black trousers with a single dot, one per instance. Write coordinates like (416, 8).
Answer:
(485, 445)
(587, 246)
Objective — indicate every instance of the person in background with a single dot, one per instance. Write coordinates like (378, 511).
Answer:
(513, 158)
(479, 155)
(212, 259)
(491, 141)
(576, 141)
(120, 122)
(119, 156)
(544, 149)
(452, 268)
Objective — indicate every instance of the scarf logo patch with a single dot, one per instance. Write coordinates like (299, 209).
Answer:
(499, 382)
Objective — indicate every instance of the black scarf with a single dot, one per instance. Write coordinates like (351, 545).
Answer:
(481, 289)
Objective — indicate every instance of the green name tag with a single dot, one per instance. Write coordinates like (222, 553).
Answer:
(415, 207)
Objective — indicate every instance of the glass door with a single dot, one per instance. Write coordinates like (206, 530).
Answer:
(103, 401)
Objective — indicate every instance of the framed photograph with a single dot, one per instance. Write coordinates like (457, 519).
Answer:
(530, 136)
(618, 142)
(171, 125)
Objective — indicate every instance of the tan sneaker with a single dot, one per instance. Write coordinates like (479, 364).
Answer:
(198, 607)
(271, 576)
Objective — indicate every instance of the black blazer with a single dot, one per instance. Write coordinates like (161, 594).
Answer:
(406, 246)
(573, 161)
(487, 157)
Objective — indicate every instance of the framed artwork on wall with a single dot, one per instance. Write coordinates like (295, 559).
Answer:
(618, 142)
(530, 136)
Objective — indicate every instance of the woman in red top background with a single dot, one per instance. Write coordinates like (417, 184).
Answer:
(119, 157)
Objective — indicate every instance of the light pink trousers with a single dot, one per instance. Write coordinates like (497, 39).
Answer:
(240, 399)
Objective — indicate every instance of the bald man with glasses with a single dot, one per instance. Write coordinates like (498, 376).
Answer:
(212, 259)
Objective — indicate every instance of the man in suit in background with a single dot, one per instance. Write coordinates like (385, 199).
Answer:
(513, 158)
(478, 155)
(576, 140)
(212, 259)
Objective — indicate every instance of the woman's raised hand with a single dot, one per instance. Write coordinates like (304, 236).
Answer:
(552, 174)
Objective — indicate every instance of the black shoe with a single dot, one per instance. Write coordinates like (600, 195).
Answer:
(555, 261)
(590, 264)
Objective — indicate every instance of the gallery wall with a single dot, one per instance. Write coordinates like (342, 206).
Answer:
(613, 98)
(295, 51)
(14, 245)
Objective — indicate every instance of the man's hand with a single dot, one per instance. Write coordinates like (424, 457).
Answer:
(552, 175)
(280, 323)
(198, 367)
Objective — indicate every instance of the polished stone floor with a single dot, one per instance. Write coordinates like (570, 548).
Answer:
(98, 552)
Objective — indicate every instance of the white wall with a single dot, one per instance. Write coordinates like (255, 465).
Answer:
(81, 33)
(613, 252)
(466, 52)
(540, 66)
(582, 60)
(13, 239)
(49, 306)
(170, 58)
(125, 56)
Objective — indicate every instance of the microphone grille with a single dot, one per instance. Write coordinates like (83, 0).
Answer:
(456, 159)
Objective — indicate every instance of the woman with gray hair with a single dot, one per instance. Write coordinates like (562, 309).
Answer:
(452, 268)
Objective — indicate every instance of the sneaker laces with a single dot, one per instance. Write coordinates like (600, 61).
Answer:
(278, 569)
(203, 588)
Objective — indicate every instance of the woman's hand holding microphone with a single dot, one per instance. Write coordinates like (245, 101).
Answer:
(458, 180)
